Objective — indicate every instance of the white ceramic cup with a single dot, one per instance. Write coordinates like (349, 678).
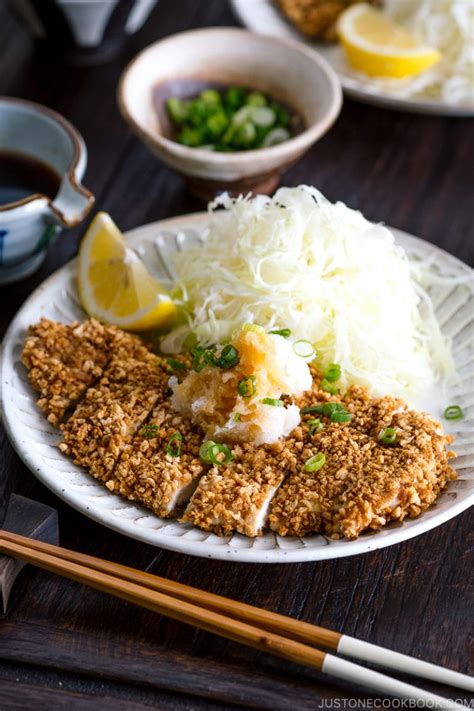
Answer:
(28, 226)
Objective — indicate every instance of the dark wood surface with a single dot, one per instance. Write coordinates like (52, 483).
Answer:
(65, 646)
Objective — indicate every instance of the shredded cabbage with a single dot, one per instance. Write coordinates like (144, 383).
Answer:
(447, 25)
(298, 261)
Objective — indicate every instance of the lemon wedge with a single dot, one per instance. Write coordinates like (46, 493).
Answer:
(114, 284)
(379, 47)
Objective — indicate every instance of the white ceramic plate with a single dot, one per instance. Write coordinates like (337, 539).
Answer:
(262, 16)
(36, 441)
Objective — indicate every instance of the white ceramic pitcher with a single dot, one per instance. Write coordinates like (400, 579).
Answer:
(28, 226)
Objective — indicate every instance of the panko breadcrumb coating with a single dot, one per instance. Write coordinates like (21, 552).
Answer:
(236, 497)
(64, 360)
(146, 473)
(120, 430)
(113, 411)
(316, 18)
(364, 483)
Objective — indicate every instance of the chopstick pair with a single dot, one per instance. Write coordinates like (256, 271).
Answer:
(267, 631)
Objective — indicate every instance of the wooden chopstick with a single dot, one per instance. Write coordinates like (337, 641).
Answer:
(53, 558)
(273, 622)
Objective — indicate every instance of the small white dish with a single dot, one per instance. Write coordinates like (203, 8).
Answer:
(29, 225)
(263, 16)
(285, 70)
(36, 440)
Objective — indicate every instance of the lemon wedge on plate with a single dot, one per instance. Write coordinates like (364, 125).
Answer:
(114, 284)
(379, 47)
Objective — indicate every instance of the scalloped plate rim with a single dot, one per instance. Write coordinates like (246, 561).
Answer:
(331, 549)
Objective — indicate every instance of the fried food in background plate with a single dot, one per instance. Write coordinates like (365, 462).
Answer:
(316, 18)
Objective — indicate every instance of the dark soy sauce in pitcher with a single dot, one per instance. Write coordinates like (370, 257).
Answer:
(22, 175)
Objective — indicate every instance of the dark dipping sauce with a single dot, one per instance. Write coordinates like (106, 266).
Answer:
(191, 88)
(22, 175)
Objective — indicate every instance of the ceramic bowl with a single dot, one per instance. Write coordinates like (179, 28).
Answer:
(29, 225)
(83, 32)
(286, 70)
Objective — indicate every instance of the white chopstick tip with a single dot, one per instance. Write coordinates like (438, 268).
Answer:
(385, 685)
(359, 649)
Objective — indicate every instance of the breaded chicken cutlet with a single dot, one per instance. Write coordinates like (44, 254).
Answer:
(148, 470)
(113, 411)
(237, 497)
(64, 360)
(126, 434)
(316, 18)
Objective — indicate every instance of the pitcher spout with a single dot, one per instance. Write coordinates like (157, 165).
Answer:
(72, 203)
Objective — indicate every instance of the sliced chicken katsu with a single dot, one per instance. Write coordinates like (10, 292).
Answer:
(64, 360)
(364, 483)
(127, 433)
(160, 466)
(113, 411)
(235, 498)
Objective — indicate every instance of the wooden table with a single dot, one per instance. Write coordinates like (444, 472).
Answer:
(63, 645)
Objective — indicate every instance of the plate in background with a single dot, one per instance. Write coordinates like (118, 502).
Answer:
(262, 16)
(36, 440)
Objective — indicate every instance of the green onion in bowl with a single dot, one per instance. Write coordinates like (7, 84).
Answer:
(233, 119)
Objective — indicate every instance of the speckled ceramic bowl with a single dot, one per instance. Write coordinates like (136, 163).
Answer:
(283, 69)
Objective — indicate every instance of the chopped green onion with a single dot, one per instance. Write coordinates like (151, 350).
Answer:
(201, 358)
(275, 136)
(388, 436)
(228, 357)
(327, 387)
(192, 137)
(149, 431)
(247, 387)
(453, 412)
(173, 448)
(273, 402)
(283, 332)
(212, 453)
(231, 120)
(178, 109)
(211, 96)
(315, 426)
(237, 417)
(262, 116)
(340, 416)
(204, 450)
(175, 364)
(234, 97)
(245, 135)
(304, 349)
(333, 373)
(216, 124)
(256, 98)
(253, 327)
(315, 462)
(334, 410)
(326, 408)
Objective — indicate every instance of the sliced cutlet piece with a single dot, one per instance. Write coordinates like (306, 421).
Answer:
(113, 411)
(363, 483)
(63, 360)
(236, 497)
(147, 473)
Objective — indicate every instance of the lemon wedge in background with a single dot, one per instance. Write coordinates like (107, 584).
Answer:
(379, 47)
(114, 284)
